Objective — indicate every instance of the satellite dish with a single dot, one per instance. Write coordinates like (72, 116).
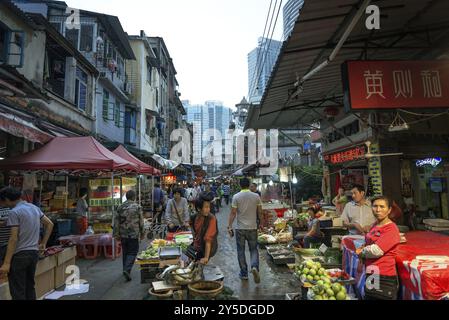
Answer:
(370, 155)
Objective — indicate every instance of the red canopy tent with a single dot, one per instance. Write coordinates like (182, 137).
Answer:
(142, 167)
(74, 153)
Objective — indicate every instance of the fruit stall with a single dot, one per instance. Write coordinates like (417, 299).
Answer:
(320, 276)
(422, 262)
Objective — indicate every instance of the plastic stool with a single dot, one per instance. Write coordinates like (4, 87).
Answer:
(89, 247)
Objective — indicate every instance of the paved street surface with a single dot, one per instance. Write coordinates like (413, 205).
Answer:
(107, 283)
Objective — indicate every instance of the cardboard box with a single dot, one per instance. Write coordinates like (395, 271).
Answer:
(63, 260)
(45, 276)
(337, 222)
(60, 273)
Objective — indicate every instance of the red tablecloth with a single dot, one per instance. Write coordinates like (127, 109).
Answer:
(428, 279)
(420, 279)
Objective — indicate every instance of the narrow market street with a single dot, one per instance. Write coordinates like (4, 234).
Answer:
(107, 283)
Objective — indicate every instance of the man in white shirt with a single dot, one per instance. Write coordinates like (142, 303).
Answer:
(358, 215)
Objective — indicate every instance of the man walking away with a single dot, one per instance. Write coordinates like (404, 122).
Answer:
(226, 192)
(246, 206)
(22, 254)
(129, 228)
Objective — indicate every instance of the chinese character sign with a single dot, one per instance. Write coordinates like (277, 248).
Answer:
(353, 154)
(396, 84)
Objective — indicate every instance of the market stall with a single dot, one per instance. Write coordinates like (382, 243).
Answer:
(75, 157)
(422, 263)
(172, 275)
(145, 170)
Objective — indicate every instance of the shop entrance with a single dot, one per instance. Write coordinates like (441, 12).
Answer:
(427, 185)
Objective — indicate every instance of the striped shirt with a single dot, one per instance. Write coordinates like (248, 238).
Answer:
(5, 231)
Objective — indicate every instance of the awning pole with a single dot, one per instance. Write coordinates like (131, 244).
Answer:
(66, 192)
(40, 191)
(152, 197)
(140, 200)
(113, 216)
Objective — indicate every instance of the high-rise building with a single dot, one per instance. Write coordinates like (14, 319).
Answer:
(261, 61)
(291, 12)
(210, 116)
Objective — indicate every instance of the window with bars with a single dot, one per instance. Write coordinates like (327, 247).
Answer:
(87, 37)
(130, 127)
(73, 36)
(11, 46)
(117, 114)
(81, 89)
(105, 105)
(56, 25)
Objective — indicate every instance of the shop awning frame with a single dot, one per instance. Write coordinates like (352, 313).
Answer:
(410, 29)
(21, 125)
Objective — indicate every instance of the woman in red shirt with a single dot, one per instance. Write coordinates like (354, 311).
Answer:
(379, 254)
(205, 231)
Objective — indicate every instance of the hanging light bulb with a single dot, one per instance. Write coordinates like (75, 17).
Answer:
(295, 180)
(271, 183)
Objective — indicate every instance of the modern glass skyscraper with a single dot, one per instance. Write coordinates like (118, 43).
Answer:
(291, 12)
(211, 115)
(260, 64)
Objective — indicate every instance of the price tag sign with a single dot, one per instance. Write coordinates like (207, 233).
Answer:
(323, 248)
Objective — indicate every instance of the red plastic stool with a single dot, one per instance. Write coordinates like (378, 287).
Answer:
(107, 249)
(90, 247)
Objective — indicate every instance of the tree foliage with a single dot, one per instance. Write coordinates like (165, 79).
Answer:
(309, 181)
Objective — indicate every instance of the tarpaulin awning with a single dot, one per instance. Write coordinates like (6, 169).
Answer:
(71, 154)
(22, 128)
(166, 164)
(142, 167)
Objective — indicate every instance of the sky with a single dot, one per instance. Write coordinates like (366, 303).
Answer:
(208, 40)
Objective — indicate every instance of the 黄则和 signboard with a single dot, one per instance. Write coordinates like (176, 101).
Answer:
(372, 85)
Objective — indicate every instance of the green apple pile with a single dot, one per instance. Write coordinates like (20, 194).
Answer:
(312, 272)
(326, 291)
